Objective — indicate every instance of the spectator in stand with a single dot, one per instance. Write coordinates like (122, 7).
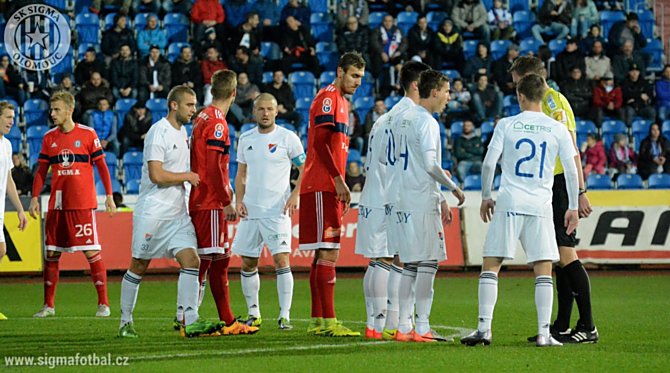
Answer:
(209, 40)
(470, 18)
(21, 174)
(354, 179)
(420, 41)
(356, 131)
(566, 60)
(136, 124)
(622, 158)
(387, 46)
(638, 97)
(11, 83)
(66, 84)
(354, 38)
(155, 76)
(500, 70)
(124, 5)
(186, 71)
(663, 94)
(297, 10)
(85, 67)
(178, 6)
(244, 100)
(593, 155)
(607, 100)
(578, 92)
(586, 45)
(500, 21)
(117, 36)
(622, 63)
(597, 64)
(283, 93)
(628, 30)
(468, 151)
(268, 12)
(459, 97)
(206, 14)
(103, 121)
(151, 35)
(245, 61)
(248, 35)
(584, 15)
(297, 46)
(209, 66)
(147, 6)
(124, 74)
(351, 8)
(554, 19)
(487, 101)
(654, 153)
(91, 92)
(480, 63)
(448, 46)
(371, 117)
(236, 12)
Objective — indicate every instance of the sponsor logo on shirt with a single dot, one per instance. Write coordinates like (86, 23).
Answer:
(272, 148)
(533, 128)
(96, 143)
(327, 105)
(551, 102)
(218, 131)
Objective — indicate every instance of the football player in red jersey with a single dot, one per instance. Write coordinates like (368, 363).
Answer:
(70, 150)
(210, 204)
(324, 196)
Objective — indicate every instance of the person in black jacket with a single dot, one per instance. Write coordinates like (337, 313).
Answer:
(85, 67)
(654, 153)
(297, 46)
(151, 86)
(638, 97)
(245, 61)
(500, 69)
(124, 74)
(354, 37)
(570, 58)
(21, 174)
(284, 96)
(623, 31)
(554, 18)
(117, 36)
(136, 124)
(578, 91)
(420, 41)
(186, 71)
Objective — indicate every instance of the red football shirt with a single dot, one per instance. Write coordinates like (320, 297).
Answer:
(71, 156)
(330, 109)
(210, 132)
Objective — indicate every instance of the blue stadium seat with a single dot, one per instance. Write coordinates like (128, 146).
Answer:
(270, 50)
(133, 187)
(499, 48)
(3, 50)
(609, 18)
(109, 21)
(82, 48)
(132, 165)
(354, 156)
(141, 20)
(233, 142)
(496, 182)
(611, 128)
(158, 108)
(112, 163)
(470, 48)
(517, 5)
(366, 88)
(303, 83)
(456, 130)
(327, 55)
(390, 101)
(629, 181)
(523, 20)
(59, 4)
(472, 182)
(174, 50)
(100, 187)
(88, 28)
(451, 74)
(65, 67)
(598, 182)
(557, 46)
(375, 19)
(654, 48)
(322, 26)
(665, 128)
(639, 130)
(122, 107)
(289, 127)
(246, 127)
(529, 45)
(302, 106)
(33, 159)
(34, 137)
(435, 19)
(405, 21)
(444, 139)
(36, 111)
(362, 106)
(326, 78)
(486, 130)
(176, 25)
(647, 22)
(659, 181)
(15, 138)
(511, 105)
(189, 129)
(318, 6)
(583, 128)
(267, 77)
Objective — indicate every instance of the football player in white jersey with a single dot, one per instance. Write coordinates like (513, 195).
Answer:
(527, 145)
(265, 203)
(419, 208)
(380, 283)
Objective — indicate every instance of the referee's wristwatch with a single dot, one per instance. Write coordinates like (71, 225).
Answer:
(582, 191)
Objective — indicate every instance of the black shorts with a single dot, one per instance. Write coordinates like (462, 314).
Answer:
(559, 204)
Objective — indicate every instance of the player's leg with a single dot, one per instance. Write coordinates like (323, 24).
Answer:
(580, 285)
(564, 292)
(205, 264)
(284, 289)
(130, 286)
(3, 251)
(406, 302)
(276, 234)
(51, 276)
(393, 303)
(544, 293)
(488, 296)
(425, 279)
(99, 278)
(309, 239)
(367, 295)
(251, 285)
(380, 294)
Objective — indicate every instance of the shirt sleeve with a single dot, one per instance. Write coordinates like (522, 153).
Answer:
(96, 148)
(295, 149)
(563, 113)
(566, 149)
(10, 162)
(324, 109)
(431, 135)
(154, 147)
(44, 156)
(217, 136)
(241, 158)
(498, 136)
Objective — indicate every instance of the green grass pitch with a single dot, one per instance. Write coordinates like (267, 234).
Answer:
(632, 312)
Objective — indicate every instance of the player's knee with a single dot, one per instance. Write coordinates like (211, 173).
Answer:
(53, 254)
(249, 264)
(3, 250)
(138, 266)
(567, 255)
(329, 255)
(385, 260)
(281, 260)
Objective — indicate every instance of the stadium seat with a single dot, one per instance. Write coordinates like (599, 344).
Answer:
(88, 28)
(302, 106)
(375, 19)
(327, 55)
(158, 108)
(354, 156)
(65, 67)
(654, 49)
(629, 181)
(608, 18)
(639, 130)
(472, 182)
(405, 21)
(112, 163)
(390, 101)
(611, 128)
(456, 130)
(36, 111)
(322, 26)
(470, 48)
(318, 6)
(109, 21)
(454, 179)
(326, 78)
(267, 77)
(189, 129)
(665, 128)
(303, 83)
(659, 181)
(647, 21)
(132, 165)
(133, 187)
(15, 137)
(366, 88)
(100, 187)
(598, 182)
(444, 138)
(435, 19)
(511, 105)
(3, 50)
(288, 126)
(58, 4)
(496, 182)
(362, 106)
(174, 50)
(529, 45)
(523, 20)
(451, 74)
(33, 159)
(583, 128)
(122, 107)
(486, 130)
(34, 137)
(141, 20)
(82, 48)
(557, 46)
(499, 48)
(232, 135)
(176, 25)
(270, 50)
(517, 5)
(246, 127)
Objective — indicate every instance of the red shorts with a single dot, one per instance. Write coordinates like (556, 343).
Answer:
(320, 221)
(209, 226)
(71, 230)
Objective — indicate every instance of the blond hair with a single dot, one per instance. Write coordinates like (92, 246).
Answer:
(63, 96)
(5, 105)
(224, 83)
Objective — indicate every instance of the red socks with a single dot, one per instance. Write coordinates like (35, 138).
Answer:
(314, 289)
(99, 277)
(51, 275)
(218, 280)
(325, 278)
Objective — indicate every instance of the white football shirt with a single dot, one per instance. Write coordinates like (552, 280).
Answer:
(415, 133)
(169, 145)
(530, 143)
(268, 157)
(6, 165)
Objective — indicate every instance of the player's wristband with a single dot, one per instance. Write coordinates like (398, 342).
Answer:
(582, 191)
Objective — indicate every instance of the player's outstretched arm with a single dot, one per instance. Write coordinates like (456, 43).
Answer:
(163, 178)
(571, 172)
(240, 189)
(13, 195)
(584, 203)
(435, 171)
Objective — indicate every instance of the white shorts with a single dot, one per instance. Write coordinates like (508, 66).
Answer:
(251, 234)
(420, 236)
(392, 236)
(536, 234)
(154, 238)
(371, 233)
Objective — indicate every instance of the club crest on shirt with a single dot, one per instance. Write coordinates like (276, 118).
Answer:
(66, 158)
(77, 144)
(327, 105)
(218, 131)
(272, 148)
(147, 237)
(439, 235)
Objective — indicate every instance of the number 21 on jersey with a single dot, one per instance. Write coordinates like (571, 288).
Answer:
(523, 145)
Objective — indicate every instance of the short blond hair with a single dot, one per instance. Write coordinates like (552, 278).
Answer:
(177, 93)
(5, 105)
(265, 97)
(63, 96)
(224, 83)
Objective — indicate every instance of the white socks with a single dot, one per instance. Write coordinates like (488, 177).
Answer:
(251, 285)
(367, 293)
(425, 278)
(544, 296)
(488, 295)
(188, 290)
(285, 291)
(405, 313)
(129, 289)
(380, 279)
(393, 304)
